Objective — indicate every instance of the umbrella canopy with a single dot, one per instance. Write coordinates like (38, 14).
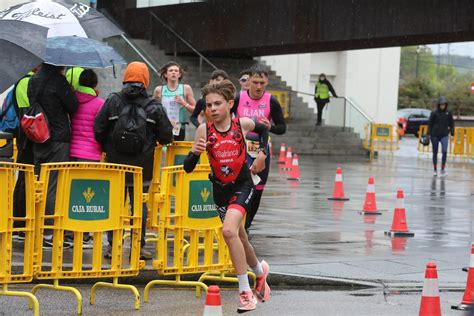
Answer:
(63, 18)
(22, 47)
(81, 52)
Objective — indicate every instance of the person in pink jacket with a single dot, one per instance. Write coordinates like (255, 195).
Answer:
(83, 144)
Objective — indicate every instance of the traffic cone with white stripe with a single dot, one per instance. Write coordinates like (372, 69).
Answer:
(281, 160)
(288, 159)
(430, 301)
(467, 302)
(338, 192)
(399, 223)
(370, 205)
(295, 169)
(213, 305)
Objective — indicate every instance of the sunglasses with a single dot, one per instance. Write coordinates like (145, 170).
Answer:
(243, 79)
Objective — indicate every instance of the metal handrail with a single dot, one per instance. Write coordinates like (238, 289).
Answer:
(139, 53)
(346, 100)
(201, 56)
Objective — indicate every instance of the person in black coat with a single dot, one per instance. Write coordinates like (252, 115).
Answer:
(440, 126)
(321, 95)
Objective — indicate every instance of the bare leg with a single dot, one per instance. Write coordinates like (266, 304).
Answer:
(249, 251)
(230, 231)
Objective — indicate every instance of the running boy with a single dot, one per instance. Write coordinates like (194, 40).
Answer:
(233, 188)
(263, 108)
(175, 97)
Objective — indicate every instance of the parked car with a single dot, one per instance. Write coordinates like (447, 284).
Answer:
(411, 119)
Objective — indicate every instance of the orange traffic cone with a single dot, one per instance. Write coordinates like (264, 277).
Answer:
(430, 302)
(399, 223)
(282, 158)
(370, 205)
(213, 305)
(295, 169)
(467, 302)
(338, 192)
(287, 165)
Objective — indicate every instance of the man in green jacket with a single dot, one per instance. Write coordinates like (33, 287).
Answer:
(321, 95)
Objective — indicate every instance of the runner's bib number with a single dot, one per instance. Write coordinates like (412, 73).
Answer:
(252, 148)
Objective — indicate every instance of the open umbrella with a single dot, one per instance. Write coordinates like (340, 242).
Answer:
(63, 18)
(81, 52)
(22, 47)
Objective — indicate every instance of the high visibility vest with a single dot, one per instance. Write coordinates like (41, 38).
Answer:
(321, 91)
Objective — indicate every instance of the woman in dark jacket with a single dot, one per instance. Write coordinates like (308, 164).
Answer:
(440, 126)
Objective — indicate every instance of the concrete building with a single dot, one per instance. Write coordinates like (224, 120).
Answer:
(368, 77)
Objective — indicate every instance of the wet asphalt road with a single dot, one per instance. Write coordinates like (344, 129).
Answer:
(282, 302)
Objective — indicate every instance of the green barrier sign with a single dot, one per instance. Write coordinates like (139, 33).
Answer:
(201, 203)
(89, 200)
(382, 131)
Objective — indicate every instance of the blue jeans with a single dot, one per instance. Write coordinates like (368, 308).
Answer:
(444, 150)
(129, 189)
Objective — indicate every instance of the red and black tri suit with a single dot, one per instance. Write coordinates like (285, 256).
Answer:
(232, 183)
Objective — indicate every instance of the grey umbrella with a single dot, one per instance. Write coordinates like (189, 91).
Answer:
(81, 52)
(22, 47)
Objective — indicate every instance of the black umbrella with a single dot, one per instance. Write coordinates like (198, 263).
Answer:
(22, 47)
(64, 18)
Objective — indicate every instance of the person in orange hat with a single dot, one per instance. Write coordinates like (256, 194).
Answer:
(133, 144)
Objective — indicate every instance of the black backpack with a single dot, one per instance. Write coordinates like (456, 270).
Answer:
(129, 133)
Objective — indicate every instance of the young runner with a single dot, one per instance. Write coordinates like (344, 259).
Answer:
(175, 97)
(233, 187)
(264, 108)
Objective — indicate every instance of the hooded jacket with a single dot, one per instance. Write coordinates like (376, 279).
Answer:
(161, 131)
(57, 99)
(441, 122)
(83, 144)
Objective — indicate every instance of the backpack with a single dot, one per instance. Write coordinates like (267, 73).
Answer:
(8, 117)
(130, 131)
(34, 122)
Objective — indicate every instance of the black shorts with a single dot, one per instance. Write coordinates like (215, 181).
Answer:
(238, 196)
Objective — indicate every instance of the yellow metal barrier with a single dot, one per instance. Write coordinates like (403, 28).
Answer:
(189, 229)
(456, 146)
(26, 225)
(90, 198)
(382, 137)
(470, 142)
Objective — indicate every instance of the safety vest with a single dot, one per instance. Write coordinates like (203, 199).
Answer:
(321, 91)
(21, 91)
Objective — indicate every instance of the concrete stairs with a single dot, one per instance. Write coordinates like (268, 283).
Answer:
(302, 134)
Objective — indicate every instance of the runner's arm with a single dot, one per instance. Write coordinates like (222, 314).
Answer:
(276, 113)
(157, 93)
(189, 95)
(199, 146)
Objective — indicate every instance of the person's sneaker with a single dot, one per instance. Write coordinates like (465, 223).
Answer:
(145, 254)
(248, 302)
(48, 244)
(87, 242)
(262, 290)
(18, 235)
(444, 173)
(108, 253)
(435, 173)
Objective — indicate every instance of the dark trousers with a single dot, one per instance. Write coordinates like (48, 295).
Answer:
(44, 153)
(129, 191)
(444, 150)
(25, 155)
(182, 134)
(320, 104)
